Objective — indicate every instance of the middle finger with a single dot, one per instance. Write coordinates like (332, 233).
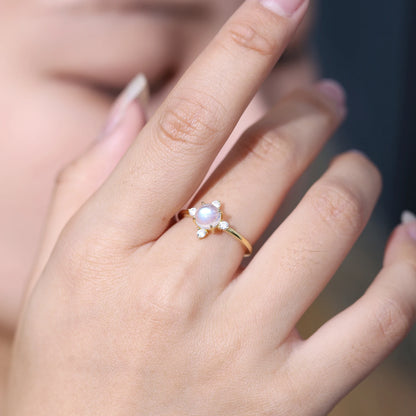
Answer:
(255, 177)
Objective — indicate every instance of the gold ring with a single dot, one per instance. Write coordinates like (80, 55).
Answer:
(209, 218)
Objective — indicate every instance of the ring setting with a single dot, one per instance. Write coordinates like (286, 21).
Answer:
(208, 218)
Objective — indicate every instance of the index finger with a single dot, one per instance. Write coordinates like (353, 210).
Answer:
(176, 148)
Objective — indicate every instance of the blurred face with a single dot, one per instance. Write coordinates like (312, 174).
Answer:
(63, 62)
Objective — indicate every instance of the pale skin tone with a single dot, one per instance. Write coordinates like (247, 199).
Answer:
(131, 314)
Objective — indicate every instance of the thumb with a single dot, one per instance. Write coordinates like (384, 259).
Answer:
(80, 179)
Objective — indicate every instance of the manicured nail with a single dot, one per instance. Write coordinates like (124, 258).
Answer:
(409, 221)
(333, 90)
(408, 217)
(359, 152)
(137, 89)
(284, 8)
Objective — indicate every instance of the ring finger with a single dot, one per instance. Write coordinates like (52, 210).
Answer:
(256, 175)
(174, 151)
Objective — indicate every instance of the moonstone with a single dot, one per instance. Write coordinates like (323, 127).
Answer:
(208, 216)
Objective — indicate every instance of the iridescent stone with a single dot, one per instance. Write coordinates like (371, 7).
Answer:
(208, 216)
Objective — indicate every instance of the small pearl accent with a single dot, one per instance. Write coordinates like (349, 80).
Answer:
(192, 212)
(208, 216)
(201, 233)
(223, 225)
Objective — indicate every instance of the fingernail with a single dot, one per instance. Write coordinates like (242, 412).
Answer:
(334, 91)
(408, 217)
(284, 8)
(409, 221)
(359, 152)
(137, 89)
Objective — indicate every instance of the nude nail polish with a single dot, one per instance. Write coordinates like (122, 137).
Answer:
(284, 8)
(360, 153)
(333, 90)
(409, 221)
(408, 217)
(137, 89)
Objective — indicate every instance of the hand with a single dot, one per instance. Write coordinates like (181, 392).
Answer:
(134, 315)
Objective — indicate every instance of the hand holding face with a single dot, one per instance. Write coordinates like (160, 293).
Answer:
(134, 315)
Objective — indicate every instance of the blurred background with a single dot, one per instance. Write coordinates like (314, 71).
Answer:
(369, 46)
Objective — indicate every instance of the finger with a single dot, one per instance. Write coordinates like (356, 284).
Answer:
(254, 112)
(255, 177)
(348, 347)
(78, 181)
(399, 246)
(176, 148)
(271, 155)
(298, 260)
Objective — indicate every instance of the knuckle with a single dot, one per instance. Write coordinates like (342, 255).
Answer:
(174, 301)
(163, 305)
(187, 122)
(393, 318)
(287, 388)
(89, 258)
(339, 206)
(246, 36)
(269, 147)
(361, 355)
(160, 309)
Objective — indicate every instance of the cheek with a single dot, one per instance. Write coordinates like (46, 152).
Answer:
(45, 125)
(48, 126)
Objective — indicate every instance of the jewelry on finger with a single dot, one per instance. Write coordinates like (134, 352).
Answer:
(209, 218)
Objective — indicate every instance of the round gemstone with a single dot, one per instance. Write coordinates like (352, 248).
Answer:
(208, 216)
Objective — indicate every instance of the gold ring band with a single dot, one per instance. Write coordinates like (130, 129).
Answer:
(209, 218)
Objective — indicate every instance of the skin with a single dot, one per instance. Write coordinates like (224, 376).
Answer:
(63, 89)
(157, 306)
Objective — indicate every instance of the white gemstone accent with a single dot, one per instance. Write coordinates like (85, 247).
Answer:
(192, 212)
(223, 225)
(201, 233)
(217, 204)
